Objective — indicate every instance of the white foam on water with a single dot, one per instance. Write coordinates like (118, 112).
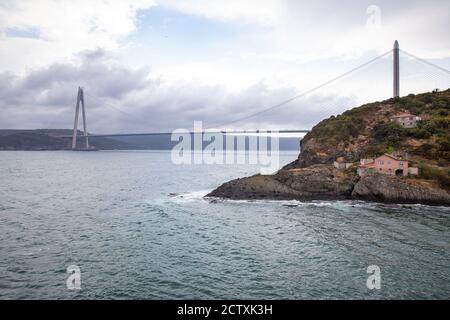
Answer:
(295, 203)
(199, 195)
(191, 196)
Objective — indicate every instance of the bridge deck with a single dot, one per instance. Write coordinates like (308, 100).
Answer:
(239, 132)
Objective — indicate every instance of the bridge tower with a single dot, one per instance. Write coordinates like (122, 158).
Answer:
(80, 100)
(396, 69)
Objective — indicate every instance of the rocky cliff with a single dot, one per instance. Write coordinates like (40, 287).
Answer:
(365, 131)
(382, 188)
(315, 182)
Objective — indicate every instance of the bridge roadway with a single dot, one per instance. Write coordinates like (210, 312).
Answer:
(231, 132)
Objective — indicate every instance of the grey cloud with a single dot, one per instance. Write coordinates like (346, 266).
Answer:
(121, 99)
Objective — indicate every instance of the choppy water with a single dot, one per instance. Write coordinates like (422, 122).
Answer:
(113, 215)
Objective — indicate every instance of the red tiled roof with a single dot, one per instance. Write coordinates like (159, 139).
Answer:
(392, 157)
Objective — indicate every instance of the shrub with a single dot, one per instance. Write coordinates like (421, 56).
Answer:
(424, 148)
(416, 107)
(428, 126)
(428, 172)
(442, 176)
(420, 133)
(440, 123)
(390, 133)
(340, 127)
(427, 98)
(444, 144)
(444, 180)
(375, 150)
(442, 162)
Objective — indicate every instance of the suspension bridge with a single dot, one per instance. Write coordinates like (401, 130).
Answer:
(80, 105)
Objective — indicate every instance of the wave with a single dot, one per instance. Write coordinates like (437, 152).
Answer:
(190, 196)
(199, 195)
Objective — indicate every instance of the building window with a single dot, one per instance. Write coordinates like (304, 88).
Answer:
(380, 162)
(400, 164)
(389, 162)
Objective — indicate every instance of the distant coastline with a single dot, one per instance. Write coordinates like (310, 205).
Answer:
(50, 140)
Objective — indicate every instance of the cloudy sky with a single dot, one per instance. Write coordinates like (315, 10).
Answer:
(152, 65)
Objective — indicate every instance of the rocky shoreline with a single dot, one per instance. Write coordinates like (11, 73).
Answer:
(324, 182)
(364, 132)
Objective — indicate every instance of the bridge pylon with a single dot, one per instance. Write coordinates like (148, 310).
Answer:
(396, 74)
(80, 100)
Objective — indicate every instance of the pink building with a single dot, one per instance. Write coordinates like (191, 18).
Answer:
(406, 120)
(386, 164)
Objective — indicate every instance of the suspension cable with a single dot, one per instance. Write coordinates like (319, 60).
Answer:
(306, 92)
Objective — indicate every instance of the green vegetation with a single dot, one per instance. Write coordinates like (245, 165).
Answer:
(442, 176)
(362, 110)
(386, 136)
(390, 133)
(434, 107)
(375, 150)
(341, 127)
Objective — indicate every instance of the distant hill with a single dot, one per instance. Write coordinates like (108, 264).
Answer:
(49, 139)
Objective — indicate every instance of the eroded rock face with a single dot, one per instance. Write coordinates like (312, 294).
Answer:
(315, 152)
(318, 182)
(252, 188)
(382, 188)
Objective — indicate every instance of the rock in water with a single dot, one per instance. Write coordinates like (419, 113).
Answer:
(318, 182)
